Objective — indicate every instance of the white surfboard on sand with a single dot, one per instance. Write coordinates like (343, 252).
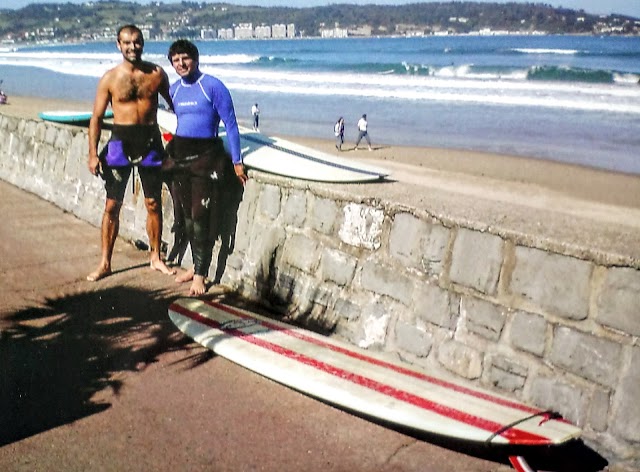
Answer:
(365, 383)
(278, 156)
(70, 116)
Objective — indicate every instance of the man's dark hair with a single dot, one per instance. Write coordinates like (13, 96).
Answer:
(184, 46)
(130, 29)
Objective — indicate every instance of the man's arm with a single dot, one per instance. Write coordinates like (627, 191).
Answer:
(164, 89)
(224, 104)
(228, 114)
(100, 104)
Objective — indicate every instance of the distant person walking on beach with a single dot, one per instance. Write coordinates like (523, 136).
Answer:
(201, 165)
(132, 89)
(363, 124)
(255, 112)
(338, 130)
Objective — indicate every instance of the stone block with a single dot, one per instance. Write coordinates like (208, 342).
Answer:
(302, 252)
(337, 266)
(63, 140)
(40, 132)
(558, 284)
(270, 201)
(76, 162)
(404, 239)
(599, 409)
(476, 260)
(411, 339)
(507, 374)
(418, 244)
(386, 281)
(528, 332)
(625, 420)
(362, 226)
(347, 310)
(324, 215)
(558, 395)
(295, 208)
(372, 328)
(262, 250)
(283, 287)
(460, 359)
(51, 134)
(435, 305)
(619, 300)
(483, 318)
(588, 356)
(246, 215)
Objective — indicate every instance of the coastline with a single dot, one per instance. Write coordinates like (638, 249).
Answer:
(572, 181)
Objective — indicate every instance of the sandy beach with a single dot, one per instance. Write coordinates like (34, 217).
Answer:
(573, 181)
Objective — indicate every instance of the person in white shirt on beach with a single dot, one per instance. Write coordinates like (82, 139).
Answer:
(255, 111)
(362, 132)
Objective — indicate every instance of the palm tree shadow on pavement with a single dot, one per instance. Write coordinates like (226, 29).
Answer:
(56, 357)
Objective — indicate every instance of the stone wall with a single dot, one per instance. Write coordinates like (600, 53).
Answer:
(551, 329)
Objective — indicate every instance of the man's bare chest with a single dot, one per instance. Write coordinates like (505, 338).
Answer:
(134, 87)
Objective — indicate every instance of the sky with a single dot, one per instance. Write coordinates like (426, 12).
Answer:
(625, 7)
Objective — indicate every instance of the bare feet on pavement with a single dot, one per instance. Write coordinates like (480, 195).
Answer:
(185, 276)
(99, 273)
(197, 286)
(162, 267)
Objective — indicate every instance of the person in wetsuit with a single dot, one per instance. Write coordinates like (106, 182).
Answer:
(132, 89)
(200, 161)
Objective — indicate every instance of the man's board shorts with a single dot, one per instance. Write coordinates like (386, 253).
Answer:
(129, 146)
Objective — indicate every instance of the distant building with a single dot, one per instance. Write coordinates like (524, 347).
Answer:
(208, 33)
(262, 32)
(334, 33)
(278, 31)
(291, 30)
(225, 33)
(243, 31)
(364, 30)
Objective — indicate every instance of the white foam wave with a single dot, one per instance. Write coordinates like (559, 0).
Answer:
(228, 59)
(546, 51)
(590, 97)
(628, 79)
(451, 84)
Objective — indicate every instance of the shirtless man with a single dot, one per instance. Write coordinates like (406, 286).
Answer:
(132, 89)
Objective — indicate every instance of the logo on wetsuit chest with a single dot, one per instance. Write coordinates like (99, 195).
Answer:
(187, 104)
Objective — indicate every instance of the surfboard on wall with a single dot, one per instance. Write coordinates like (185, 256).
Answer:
(279, 156)
(367, 383)
(70, 116)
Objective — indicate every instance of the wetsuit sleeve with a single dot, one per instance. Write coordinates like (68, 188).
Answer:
(224, 105)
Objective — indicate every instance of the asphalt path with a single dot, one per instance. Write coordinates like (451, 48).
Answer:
(96, 377)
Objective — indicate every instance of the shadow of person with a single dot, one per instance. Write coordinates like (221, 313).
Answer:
(228, 219)
(56, 357)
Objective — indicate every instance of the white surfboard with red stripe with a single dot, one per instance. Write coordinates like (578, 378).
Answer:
(365, 382)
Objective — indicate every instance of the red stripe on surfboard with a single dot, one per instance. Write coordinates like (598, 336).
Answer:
(513, 435)
(381, 363)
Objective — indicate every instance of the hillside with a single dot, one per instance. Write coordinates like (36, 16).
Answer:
(98, 20)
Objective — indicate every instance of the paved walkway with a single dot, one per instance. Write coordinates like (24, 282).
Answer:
(95, 376)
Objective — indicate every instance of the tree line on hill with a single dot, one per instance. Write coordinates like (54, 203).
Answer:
(66, 20)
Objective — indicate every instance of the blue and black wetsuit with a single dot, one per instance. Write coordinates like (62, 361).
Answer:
(202, 165)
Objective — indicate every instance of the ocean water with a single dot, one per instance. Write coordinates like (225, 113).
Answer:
(572, 99)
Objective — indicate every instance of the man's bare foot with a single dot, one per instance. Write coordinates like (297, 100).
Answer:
(162, 267)
(197, 286)
(99, 273)
(186, 276)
